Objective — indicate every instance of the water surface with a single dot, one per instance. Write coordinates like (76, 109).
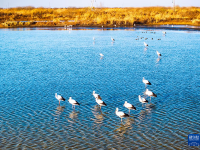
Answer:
(36, 64)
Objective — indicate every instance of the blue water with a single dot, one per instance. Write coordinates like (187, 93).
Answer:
(36, 64)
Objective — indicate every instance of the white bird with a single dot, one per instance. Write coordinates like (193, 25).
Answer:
(97, 96)
(164, 32)
(150, 93)
(146, 82)
(145, 44)
(129, 106)
(99, 99)
(121, 114)
(101, 54)
(142, 100)
(112, 39)
(94, 38)
(73, 102)
(159, 54)
(100, 102)
(59, 98)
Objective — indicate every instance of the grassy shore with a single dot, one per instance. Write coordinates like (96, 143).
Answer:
(44, 17)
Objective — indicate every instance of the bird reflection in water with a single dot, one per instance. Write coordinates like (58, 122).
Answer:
(124, 127)
(96, 108)
(142, 115)
(146, 112)
(73, 116)
(145, 49)
(99, 116)
(59, 111)
(158, 59)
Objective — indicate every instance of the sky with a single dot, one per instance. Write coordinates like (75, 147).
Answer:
(97, 3)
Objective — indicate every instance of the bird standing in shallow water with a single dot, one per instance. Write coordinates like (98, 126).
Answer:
(59, 97)
(112, 39)
(73, 102)
(146, 82)
(129, 106)
(100, 102)
(159, 54)
(150, 93)
(101, 54)
(99, 99)
(145, 44)
(96, 95)
(142, 100)
(121, 114)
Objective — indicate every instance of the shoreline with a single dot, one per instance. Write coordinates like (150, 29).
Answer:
(93, 27)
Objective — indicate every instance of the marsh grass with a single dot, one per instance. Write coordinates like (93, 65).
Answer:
(98, 16)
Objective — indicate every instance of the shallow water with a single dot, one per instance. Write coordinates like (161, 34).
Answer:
(36, 64)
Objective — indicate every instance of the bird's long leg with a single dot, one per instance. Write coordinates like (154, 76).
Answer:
(100, 107)
(59, 103)
(121, 119)
(150, 99)
(145, 86)
(129, 111)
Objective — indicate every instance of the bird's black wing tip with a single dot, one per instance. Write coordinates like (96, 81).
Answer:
(126, 115)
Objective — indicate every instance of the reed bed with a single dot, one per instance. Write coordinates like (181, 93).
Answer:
(30, 16)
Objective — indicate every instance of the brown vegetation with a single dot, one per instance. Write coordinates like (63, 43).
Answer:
(30, 16)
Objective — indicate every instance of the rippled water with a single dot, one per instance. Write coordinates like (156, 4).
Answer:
(36, 64)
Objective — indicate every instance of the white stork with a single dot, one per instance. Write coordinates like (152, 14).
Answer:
(159, 54)
(100, 102)
(97, 96)
(101, 54)
(59, 98)
(73, 102)
(150, 93)
(99, 99)
(129, 106)
(145, 44)
(121, 114)
(146, 82)
(142, 100)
